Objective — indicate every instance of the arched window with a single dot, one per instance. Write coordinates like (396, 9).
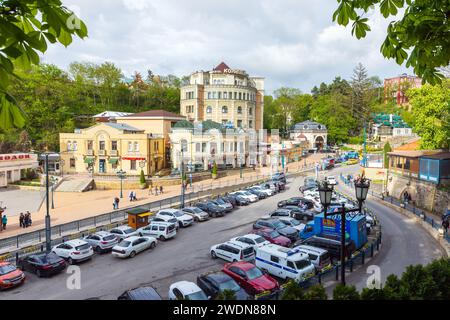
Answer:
(224, 109)
(136, 146)
(250, 111)
(69, 145)
(239, 110)
(74, 146)
(208, 109)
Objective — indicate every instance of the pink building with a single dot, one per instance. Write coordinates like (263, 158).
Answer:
(395, 88)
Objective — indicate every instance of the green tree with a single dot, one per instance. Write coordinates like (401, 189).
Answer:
(316, 292)
(431, 112)
(226, 294)
(439, 270)
(27, 27)
(360, 96)
(387, 148)
(392, 288)
(292, 291)
(373, 294)
(419, 37)
(142, 177)
(417, 283)
(347, 292)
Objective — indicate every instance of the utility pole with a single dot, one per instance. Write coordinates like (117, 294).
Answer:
(48, 234)
(364, 146)
(182, 178)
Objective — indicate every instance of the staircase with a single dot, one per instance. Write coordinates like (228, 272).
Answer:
(76, 185)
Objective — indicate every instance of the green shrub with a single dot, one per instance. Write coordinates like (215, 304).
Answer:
(226, 294)
(316, 292)
(142, 177)
(292, 291)
(342, 292)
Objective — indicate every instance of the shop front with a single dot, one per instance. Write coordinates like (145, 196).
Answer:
(11, 166)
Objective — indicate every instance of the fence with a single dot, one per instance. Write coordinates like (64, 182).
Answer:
(425, 216)
(32, 241)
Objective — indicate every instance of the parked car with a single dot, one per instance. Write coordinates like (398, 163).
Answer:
(166, 219)
(74, 251)
(268, 192)
(299, 213)
(247, 195)
(42, 264)
(228, 207)
(281, 212)
(288, 232)
(319, 257)
(259, 193)
(294, 201)
(184, 220)
(273, 236)
(240, 200)
(331, 180)
(252, 239)
(279, 176)
(307, 187)
(231, 200)
(185, 290)
(123, 232)
(160, 230)
(101, 241)
(10, 276)
(331, 244)
(141, 293)
(212, 209)
(196, 213)
(251, 278)
(270, 185)
(213, 284)
(233, 251)
(131, 246)
(281, 185)
(291, 222)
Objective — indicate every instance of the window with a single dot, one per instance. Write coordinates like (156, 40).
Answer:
(209, 95)
(230, 95)
(239, 110)
(224, 109)
(113, 145)
(69, 145)
(197, 147)
(250, 111)
(74, 146)
(225, 95)
(136, 146)
(133, 165)
(240, 96)
(101, 145)
(90, 145)
(220, 95)
(130, 146)
(250, 124)
(235, 96)
(72, 163)
(291, 265)
(239, 123)
(274, 259)
(208, 109)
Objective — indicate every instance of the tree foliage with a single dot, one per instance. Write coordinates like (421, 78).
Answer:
(226, 294)
(420, 37)
(28, 26)
(293, 291)
(347, 292)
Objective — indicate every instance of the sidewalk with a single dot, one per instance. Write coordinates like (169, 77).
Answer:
(72, 206)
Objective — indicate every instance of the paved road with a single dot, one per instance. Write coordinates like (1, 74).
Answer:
(403, 241)
(186, 256)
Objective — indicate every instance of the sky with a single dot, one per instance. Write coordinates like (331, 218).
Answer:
(292, 43)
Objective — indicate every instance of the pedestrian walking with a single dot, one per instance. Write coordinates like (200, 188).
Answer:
(116, 201)
(130, 196)
(4, 221)
(445, 225)
(21, 219)
(134, 196)
(161, 189)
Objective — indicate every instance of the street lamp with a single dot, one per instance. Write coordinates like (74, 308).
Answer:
(53, 180)
(325, 191)
(121, 175)
(48, 234)
(61, 163)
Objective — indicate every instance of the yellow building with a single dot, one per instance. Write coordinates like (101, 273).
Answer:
(107, 147)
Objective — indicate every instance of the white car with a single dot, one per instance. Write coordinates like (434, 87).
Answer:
(183, 219)
(331, 180)
(291, 222)
(196, 213)
(247, 195)
(101, 241)
(159, 229)
(131, 246)
(74, 251)
(123, 232)
(233, 251)
(269, 192)
(252, 239)
(185, 290)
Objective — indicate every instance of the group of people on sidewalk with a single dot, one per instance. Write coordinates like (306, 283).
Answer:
(25, 220)
(155, 190)
(132, 195)
(3, 221)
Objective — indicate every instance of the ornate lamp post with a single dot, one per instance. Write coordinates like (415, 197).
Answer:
(326, 192)
(121, 175)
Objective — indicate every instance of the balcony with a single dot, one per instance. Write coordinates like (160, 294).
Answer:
(114, 153)
(102, 152)
(90, 152)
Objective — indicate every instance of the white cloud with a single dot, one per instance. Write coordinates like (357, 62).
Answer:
(290, 42)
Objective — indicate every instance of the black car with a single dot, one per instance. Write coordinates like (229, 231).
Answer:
(42, 264)
(279, 176)
(307, 187)
(281, 185)
(259, 194)
(299, 213)
(279, 226)
(141, 293)
(240, 200)
(212, 209)
(231, 200)
(295, 201)
(214, 283)
(330, 243)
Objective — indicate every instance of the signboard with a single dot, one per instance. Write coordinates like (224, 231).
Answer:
(13, 157)
(333, 227)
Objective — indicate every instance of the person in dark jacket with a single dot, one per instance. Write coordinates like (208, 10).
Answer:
(21, 220)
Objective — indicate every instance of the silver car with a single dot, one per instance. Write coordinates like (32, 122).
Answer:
(101, 241)
(123, 232)
(197, 213)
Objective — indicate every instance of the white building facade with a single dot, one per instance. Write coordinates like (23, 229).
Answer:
(315, 134)
(11, 166)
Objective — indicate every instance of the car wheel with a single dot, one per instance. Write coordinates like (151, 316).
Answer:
(153, 245)
(140, 234)
(70, 261)
(234, 260)
(162, 238)
(196, 219)
(97, 249)
(132, 254)
(38, 273)
(213, 255)
(180, 224)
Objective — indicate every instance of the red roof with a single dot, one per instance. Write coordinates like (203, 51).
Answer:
(221, 67)
(156, 114)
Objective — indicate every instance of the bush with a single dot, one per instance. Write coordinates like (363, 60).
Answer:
(342, 292)
(373, 294)
(214, 168)
(142, 177)
(387, 148)
(316, 292)
(292, 291)
(226, 294)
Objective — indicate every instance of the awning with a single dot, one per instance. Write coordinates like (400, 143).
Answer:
(113, 160)
(133, 158)
(89, 160)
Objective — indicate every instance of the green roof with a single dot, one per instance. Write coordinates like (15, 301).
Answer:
(137, 211)
(184, 124)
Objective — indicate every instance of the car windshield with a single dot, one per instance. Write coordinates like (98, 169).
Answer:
(278, 224)
(254, 273)
(7, 269)
(178, 213)
(109, 237)
(301, 264)
(49, 258)
(229, 285)
(197, 210)
(128, 231)
(274, 234)
(295, 222)
(199, 295)
(124, 244)
(220, 201)
(260, 240)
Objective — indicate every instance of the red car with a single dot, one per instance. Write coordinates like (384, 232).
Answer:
(251, 278)
(10, 276)
(273, 236)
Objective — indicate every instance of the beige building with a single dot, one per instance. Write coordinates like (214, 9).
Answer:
(107, 147)
(314, 134)
(226, 96)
